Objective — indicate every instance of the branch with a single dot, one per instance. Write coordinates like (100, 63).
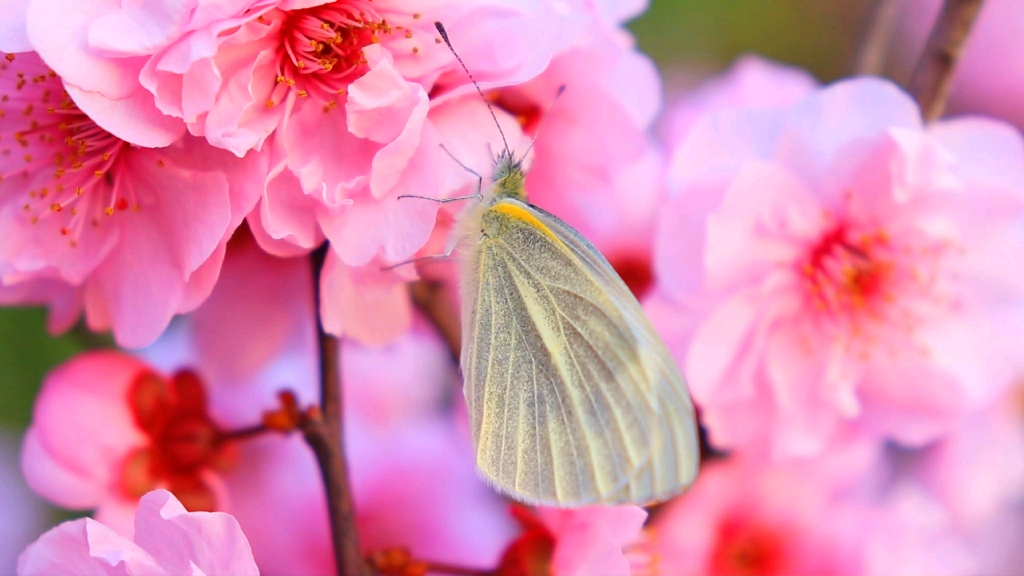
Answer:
(323, 432)
(874, 48)
(433, 300)
(933, 75)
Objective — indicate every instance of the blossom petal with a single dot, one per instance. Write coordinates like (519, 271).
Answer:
(180, 541)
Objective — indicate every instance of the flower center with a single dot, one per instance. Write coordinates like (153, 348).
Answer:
(745, 549)
(183, 441)
(844, 273)
(321, 49)
(66, 164)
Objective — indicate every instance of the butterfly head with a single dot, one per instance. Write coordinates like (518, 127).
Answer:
(509, 178)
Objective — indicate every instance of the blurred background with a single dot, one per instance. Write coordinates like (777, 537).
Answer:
(689, 39)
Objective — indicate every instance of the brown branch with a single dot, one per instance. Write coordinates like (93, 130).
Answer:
(433, 300)
(933, 75)
(874, 48)
(323, 432)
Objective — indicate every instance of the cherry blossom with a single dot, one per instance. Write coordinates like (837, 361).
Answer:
(136, 234)
(853, 269)
(168, 540)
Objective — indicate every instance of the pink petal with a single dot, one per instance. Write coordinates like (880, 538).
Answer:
(85, 547)
(82, 428)
(827, 121)
(239, 120)
(722, 339)
(140, 28)
(721, 143)
(183, 217)
(59, 32)
(381, 102)
(751, 82)
(181, 541)
(589, 541)
(285, 220)
(133, 118)
(911, 401)
(199, 285)
(392, 227)
(985, 150)
(328, 159)
(680, 243)
(64, 301)
(766, 217)
(363, 303)
(796, 363)
(265, 301)
(13, 32)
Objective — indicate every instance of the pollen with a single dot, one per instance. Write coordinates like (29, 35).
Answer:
(9, 57)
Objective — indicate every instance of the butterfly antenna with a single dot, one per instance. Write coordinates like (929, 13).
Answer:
(540, 125)
(444, 36)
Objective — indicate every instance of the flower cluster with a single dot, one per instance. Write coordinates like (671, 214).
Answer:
(219, 184)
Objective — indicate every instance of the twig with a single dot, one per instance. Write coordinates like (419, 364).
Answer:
(323, 432)
(933, 75)
(874, 48)
(433, 300)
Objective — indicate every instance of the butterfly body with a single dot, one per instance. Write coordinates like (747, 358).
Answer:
(573, 399)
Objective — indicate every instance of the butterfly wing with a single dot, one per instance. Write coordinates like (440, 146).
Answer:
(572, 397)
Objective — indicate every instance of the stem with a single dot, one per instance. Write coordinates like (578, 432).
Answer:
(323, 432)
(439, 568)
(933, 75)
(874, 49)
(432, 299)
(243, 433)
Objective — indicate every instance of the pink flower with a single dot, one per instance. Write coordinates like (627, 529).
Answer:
(738, 519)
(751, 82)
(342, 87)
(107, 429)
(855, 268)
(168, 540)
(138, 234)
(977, 472)
(590, 541)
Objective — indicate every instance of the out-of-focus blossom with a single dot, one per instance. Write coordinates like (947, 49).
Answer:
(24, 515)
(855, 267)
(751, 82)
(106, 429)
(168, 540)
(745, 517)
(136, 234)
(977, 472)
(590, 541)
(740, 518)
(989, 78)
